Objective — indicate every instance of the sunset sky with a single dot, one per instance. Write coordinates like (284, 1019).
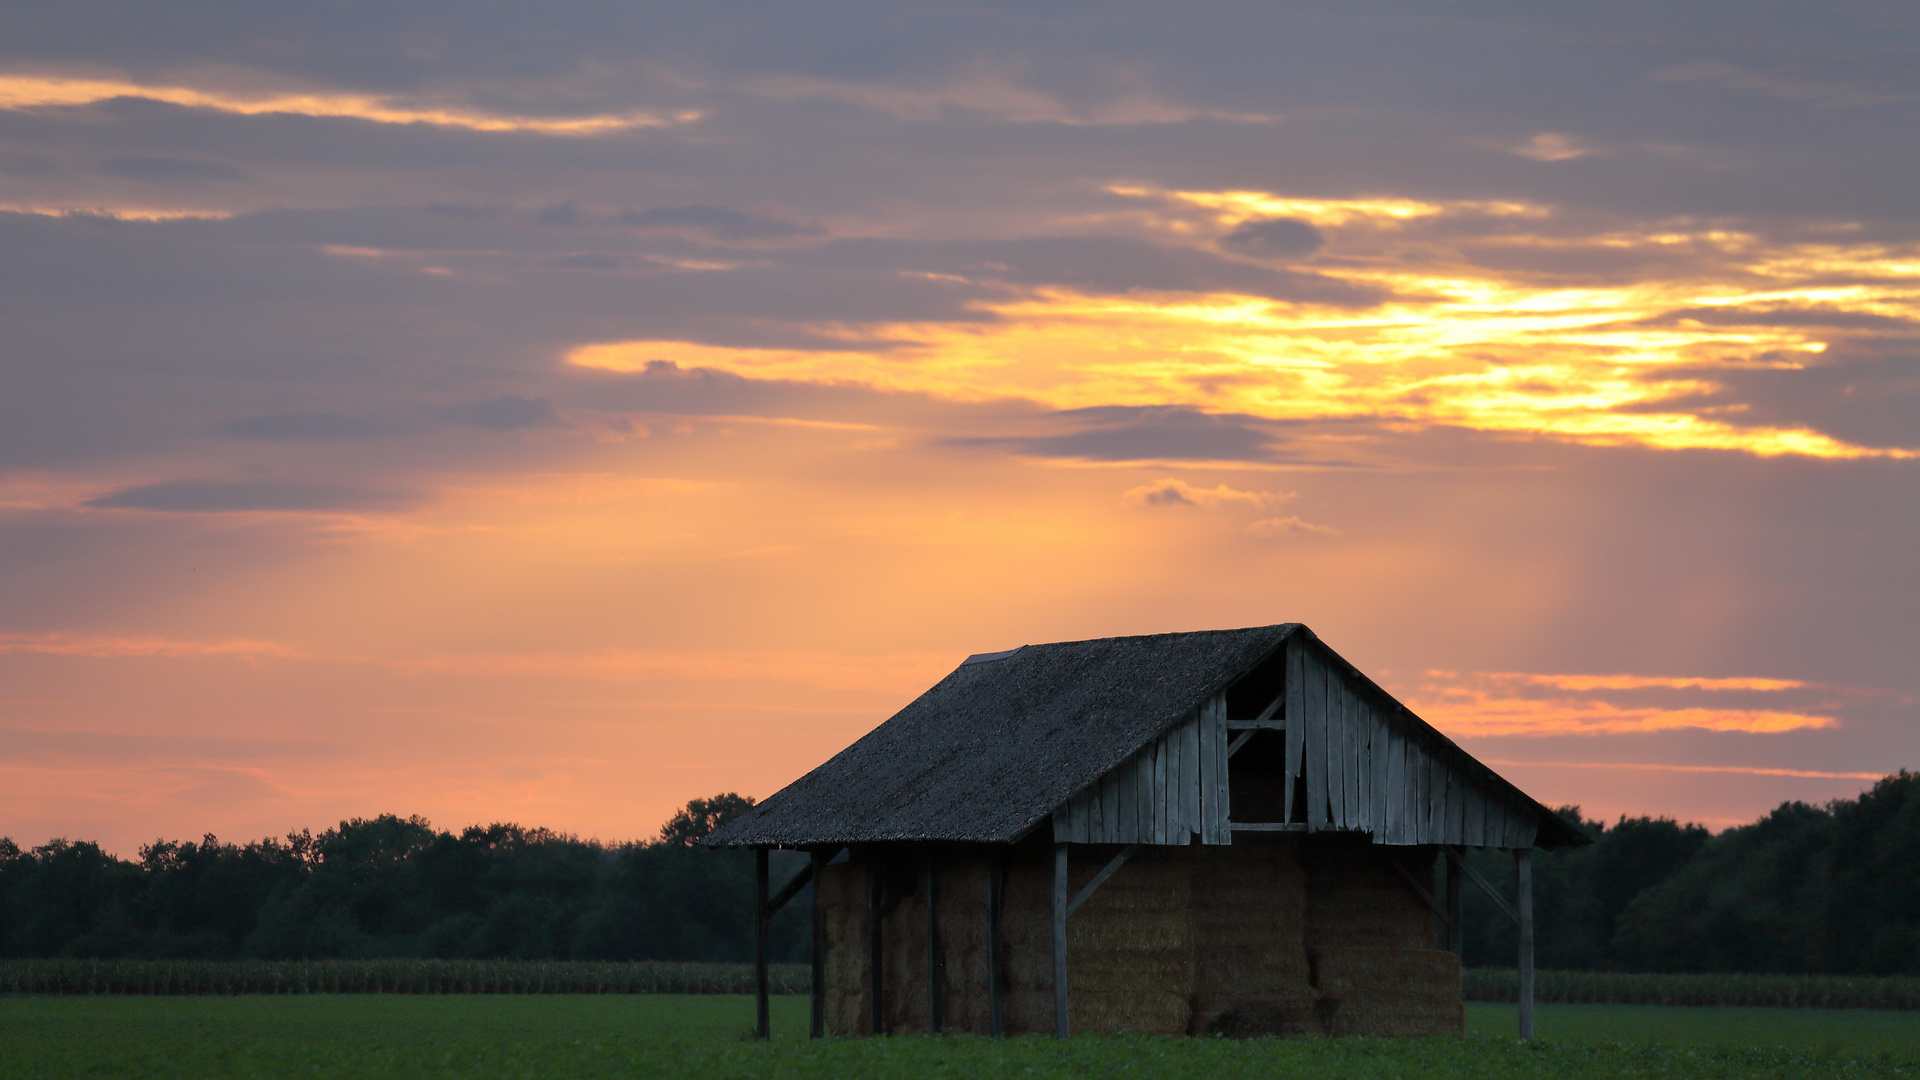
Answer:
(551, 413)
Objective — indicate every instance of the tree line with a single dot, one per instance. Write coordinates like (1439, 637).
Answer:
(1805, 890)
(1814, 890)
(396, 887)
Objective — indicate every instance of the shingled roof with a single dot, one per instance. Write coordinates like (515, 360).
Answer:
(1006, 738)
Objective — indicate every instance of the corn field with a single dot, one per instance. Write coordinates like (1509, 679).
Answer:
(1620, 988)
(658, 977)
(387, 977)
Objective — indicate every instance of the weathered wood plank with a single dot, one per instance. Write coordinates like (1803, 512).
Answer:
(1159, 791)
(1086, 891)
(1188, 784)
(1360, 731)
(1316, 740)
(1458, 786)
(1394, 827)
(1172, 740)
(1357, 787)
(1336, 749)
(1382, 741)
(1422, 819)
(1296, 717)
(1130, 800)
(1436, 796)
(1473, 833)
(1269, 826)
(1216, 781)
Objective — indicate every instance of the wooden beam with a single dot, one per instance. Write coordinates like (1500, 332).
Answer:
(1060, 1027)
(1419, 890)
(1100, 878)
(1267, 826)
(996, 975)
(1452, 873)
(1523, 895)
(790, 889)
(1473, 875)
(934, 958)
(762, 1022)
(817, 1012)
(876, 948)
(1239, 741)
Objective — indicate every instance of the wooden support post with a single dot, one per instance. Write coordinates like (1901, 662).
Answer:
(876, 949)
(935, 965)
(996, 977)
(1060, 1027)
(762, 1023)
(1454, 941)
(1523, 901)
(817, 1020)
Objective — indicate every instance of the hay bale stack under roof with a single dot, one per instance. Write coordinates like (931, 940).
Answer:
(1238, 820)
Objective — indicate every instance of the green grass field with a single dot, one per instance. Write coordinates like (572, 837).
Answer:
(558, 1036)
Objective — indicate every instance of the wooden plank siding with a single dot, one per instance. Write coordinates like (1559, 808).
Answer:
(1364, 769)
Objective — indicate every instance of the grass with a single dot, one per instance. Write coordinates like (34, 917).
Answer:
(560, 1036)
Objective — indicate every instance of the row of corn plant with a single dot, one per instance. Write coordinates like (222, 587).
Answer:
(1623, 988)
(388, 977)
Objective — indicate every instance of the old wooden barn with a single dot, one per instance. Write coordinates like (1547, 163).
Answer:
(1230, 831)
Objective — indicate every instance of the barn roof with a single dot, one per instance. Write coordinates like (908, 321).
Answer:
(1007, 738)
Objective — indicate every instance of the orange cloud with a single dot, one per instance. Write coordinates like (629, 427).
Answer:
(136, 645)
(1643, 767)
(1636, 682)
(43, 91)
(1495, 703)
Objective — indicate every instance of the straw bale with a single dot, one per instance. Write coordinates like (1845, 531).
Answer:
(1250, 964)
(1130, 947)
(1395, 992)
(1355, 899)
(1274, 935)
(842, 893)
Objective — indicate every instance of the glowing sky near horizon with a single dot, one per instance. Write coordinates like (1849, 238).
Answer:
(555, 416)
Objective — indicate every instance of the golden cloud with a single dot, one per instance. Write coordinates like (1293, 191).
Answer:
(1468, 336)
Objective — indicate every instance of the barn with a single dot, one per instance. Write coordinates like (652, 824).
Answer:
(1231, 831)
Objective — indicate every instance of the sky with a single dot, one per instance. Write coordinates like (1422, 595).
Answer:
(553, 413)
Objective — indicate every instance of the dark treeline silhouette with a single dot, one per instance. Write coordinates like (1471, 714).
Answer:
(392, 887)
(1804, 890)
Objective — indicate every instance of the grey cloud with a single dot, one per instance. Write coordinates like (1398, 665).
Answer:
(303, 427)
(509, 412)
(717, 222)
(588, 262)
(1093, 263)
(1862, 392)
(170, 168)
(565, 215)
(1276, 237)
(234, 496)
(1145, 433)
